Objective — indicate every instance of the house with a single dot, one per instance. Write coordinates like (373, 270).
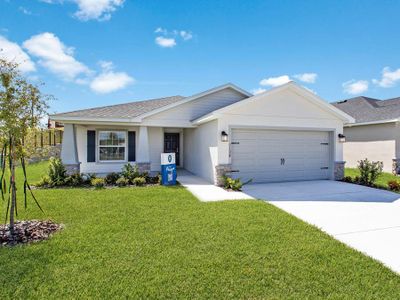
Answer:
(376, 132)
(285, 134)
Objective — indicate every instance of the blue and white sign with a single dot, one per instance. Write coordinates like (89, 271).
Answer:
(168, 169)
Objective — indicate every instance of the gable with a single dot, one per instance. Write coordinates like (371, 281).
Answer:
(189, 111)
(287, 103)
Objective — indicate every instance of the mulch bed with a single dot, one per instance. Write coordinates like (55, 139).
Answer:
(31, 231)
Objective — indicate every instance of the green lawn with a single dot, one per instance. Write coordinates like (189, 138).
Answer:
(160, 242)
(381, 181)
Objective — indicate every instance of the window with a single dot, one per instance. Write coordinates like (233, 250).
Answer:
(112, 145)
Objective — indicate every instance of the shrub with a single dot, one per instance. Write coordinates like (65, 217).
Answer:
(394, 185)
(348, 179)
(112, 178)
(44, 182)
(97, 182)
(233, 184)
(153, 179)
(139, 181)
(74, 180)
(369, 171)
(122, 181)
(130, 172)
(57, 172)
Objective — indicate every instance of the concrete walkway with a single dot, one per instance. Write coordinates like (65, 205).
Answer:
(365, 219)
(206, 191)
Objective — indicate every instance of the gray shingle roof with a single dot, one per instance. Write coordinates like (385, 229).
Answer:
(365, 109)
(125, 110)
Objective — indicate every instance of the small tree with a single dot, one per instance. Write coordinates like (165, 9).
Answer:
(21, 107)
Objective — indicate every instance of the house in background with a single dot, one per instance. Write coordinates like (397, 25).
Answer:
(285, 134)
(375, 134)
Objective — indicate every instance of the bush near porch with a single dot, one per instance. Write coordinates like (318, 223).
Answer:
(382, 181)
(160, 242)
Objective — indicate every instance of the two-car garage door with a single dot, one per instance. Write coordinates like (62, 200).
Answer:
(277, 155)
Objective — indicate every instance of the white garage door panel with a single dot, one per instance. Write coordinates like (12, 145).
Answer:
(256, 155)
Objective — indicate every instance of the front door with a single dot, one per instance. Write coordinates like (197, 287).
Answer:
(171, 145)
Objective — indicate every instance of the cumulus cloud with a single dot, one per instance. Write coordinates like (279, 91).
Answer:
(55, 56)
(389, 78)
(275, 81)
(354, 87)
(13, 52)
(168, 39)
(100, 10)
(97, 9)
(257, 91)
(306, 77)
(108, 80)
(165, 42)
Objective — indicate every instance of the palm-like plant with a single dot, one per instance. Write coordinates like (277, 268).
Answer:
(21, 107)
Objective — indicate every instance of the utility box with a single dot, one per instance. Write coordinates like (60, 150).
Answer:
(168, 169)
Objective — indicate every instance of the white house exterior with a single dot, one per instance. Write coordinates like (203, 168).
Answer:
(284, 134)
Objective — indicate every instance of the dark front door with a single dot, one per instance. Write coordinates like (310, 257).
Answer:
(171, 145)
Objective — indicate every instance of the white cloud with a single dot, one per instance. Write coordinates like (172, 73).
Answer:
(110, 81)
(13, 52)
(165, 42)
(389, 78)
(97, 9)
(161, 30)
(257, 91)
(275, 81)
(24, 10)
(55, 56)
(186, 35)
(354, 87)
(106, 65)
(92, 9)
(307, 77)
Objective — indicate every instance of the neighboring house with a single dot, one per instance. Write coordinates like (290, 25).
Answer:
(285, 134)
(375, 134)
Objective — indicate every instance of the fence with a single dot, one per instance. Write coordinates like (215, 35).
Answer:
(45, 137)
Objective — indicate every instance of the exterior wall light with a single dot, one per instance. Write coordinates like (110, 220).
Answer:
(342, 138)
(224, 136)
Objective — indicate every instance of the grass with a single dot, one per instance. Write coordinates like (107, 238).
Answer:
(381, 181)
(160, 242)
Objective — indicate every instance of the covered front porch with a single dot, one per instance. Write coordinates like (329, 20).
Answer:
(103, 149)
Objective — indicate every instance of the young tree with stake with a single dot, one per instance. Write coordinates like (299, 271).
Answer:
(22, 105)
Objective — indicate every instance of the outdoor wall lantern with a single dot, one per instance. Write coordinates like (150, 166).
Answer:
(342, 138)
(224, 136)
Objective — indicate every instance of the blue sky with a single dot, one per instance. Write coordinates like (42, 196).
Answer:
(92, 53)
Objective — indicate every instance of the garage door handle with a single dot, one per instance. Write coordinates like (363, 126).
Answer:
(324, 168)
(234, 171)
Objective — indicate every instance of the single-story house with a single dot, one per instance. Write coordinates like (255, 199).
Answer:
(285, 134)
(376, 132)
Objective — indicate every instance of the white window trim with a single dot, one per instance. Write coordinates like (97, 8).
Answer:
(98, 146)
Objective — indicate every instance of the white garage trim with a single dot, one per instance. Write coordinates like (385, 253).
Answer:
(275, 155)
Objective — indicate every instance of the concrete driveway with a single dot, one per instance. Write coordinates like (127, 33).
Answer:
(364, 218)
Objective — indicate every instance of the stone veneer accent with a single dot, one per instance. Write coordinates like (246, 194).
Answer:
(143, 167)
(339, 170)
(220, 171)
(396, 166)
(72, 168)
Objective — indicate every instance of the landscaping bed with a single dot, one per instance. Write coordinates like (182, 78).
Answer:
(27, 232)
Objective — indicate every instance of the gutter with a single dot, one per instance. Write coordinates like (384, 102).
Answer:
(372, 123)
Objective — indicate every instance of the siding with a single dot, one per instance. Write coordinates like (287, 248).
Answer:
(378, 142)
(199, 107)
(200, 146)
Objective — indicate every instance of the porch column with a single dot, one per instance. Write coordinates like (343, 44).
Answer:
(69, 152)
(143, 150)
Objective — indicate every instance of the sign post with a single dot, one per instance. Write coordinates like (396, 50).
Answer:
(168, 169)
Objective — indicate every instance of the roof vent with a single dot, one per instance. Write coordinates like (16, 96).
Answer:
(344, 101)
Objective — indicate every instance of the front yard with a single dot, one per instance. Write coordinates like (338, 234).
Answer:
(382, 180)
(159, 242)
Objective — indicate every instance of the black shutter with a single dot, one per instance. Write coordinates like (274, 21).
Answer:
(131, 146)
(91, 146)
